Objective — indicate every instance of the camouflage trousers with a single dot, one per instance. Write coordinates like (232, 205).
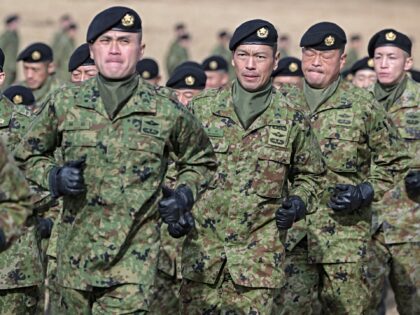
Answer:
(224, 297)
(165, 299)
(340, 288)
(399, 262)
(20, 301)
(120, 299)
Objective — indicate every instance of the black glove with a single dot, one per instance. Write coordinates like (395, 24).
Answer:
(44, 227)
(175, 203)
(293, 209)
(3, 243)
(68, 179)
(184, 225)
(412, 183)
(348, 198)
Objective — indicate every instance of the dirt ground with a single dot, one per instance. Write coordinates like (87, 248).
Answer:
(205, 18)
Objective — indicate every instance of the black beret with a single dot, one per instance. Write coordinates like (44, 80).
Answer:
(117, 18)
(36, 52)
(1, 60)
(389, 37)
(19, 95)
(364, 63)
(188, 76)
(80, 57)
(147, 68)
(254, 32)
(415, 75)
(324, 36)
(11, 18)
(215, 63)
(289, 67)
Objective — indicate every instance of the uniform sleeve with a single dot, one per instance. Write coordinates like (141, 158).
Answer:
(390, 158)
(308, 167)
(36, 149)
(14, 196)
(196, 161)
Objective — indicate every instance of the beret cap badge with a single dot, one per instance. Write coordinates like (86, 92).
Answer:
(190, 80)
(370, 63)
(390, 36)
(262, 32)
(127, 20)
(293, 67)
(36, 55)
(329, 40)
(17, 99)
(145, 75)
(213, 65)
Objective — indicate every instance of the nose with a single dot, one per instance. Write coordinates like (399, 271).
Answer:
(183, 100)
(114, 48)
(316, 61)
(250, 64)
(384, 62)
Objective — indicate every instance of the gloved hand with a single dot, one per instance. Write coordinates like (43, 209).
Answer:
(3, 243)
(412, 183)
(293, 209)
(184, 225)
(175, 203)
(44, 227)
(67, 180)
(348, 198)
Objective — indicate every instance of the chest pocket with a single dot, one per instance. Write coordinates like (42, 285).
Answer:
(271, 172)
(340, 148)
(409, 126)
(78, 140)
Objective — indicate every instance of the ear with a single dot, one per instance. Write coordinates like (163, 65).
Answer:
(2, 78)
(343, 58)
(141, 52)
(225, 79)
(276, 60)
(408, 63)
(90, 52)
(51, 68)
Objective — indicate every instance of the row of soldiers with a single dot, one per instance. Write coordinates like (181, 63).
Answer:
(240, 199)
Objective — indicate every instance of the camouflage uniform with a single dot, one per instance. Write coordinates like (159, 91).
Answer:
(175, 56)
(41, 94)
(236, 253)
(9, 43)
(397, 219)
(109, 236)
(358, 144)
(63, 50)
(20, 263)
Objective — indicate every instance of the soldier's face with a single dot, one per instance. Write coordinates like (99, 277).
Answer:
(36, 73)
(253, 65)
(364, 78)
(117, 53)
(185, 96)
(83, 73)
(216, 79)
(280, 80)
(321, 68)
(2, 78)
(391, 63)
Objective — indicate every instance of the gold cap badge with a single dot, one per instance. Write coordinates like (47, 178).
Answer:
(213, 65)
(17, 99)
(190, 80)
(127, 20)
(370, 63)
(293, 67)
(146, 74)
(329, 41)
(36, 55)
(262, 32)
(391, 36)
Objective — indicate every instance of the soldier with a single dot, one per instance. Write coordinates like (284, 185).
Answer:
(178, 50)
(397, 217)
(188, 80)
(364, 155)
(81, 66)
(363, 74)
(63, 22)
(289, 71)
(353, 50)
(284, 45)
(149, 70)
(9, 43)
(38, 70)
(232, 262)
(63, 50)
(222, 49)
(115, 133)
(216, 69)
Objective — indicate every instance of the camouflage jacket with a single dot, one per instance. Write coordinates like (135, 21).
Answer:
(42, 94)
(398, 214)
(359, 143)
(20, 264)
(235, 219)
(110, 234)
